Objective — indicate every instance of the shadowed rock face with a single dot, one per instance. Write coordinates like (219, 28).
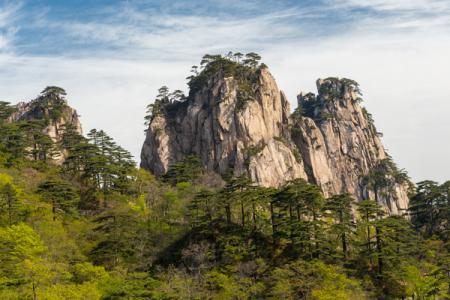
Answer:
(69, 116)
(331, 141)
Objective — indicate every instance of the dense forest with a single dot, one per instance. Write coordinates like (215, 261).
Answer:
(97, 227)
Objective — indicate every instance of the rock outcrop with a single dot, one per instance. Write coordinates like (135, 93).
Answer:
(44, 108)
(341, 147)
(330, 140)
(229, 134)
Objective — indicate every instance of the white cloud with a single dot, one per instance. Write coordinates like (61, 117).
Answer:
(404, 81)
(397, 5)
(8, 16)
(397, 16)
(181, 35)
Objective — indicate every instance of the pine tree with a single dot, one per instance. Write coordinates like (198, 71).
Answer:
(118, 228)
(6, 110)
(13, 141)
(396, 242)
(430, 208)
(383, 177)
(70, 137)
(299, 216)
(41, 146)
(61, 194)
(186, 170)
(251, 59)
(200, 209)
(369, 212)
(237, 193)
(424, 208)
(339, 208)
(9, 205)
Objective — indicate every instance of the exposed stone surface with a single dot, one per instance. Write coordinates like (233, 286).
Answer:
(340, 144)
(331, 141)
(228, 138)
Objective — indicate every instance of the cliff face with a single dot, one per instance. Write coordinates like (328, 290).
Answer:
(341, 147)
(54, 123)
(229, 134)
(329, 140)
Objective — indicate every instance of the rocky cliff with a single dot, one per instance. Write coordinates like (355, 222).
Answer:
(231, 135)
(341, 147)
(238, 121)
(50, 107)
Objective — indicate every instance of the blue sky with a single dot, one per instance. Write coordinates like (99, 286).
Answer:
(111, 56)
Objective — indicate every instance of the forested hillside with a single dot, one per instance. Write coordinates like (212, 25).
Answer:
(97, 227)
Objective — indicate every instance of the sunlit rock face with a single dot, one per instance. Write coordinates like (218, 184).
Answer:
(230, 137)
(330, 140)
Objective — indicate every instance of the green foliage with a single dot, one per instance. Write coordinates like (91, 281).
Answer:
(334, 88)
(61, 194)
(98, 228)
(313, 280)
(6, 110)
(331, 90)
(186, 170)
(252, 151)
(50, 104)
(245, 72)
(430, 209)
(165, 100)
(27, 137)
(10, 206)
(339, 209)
(383, 178)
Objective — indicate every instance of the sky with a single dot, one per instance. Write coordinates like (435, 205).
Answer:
(112, 56)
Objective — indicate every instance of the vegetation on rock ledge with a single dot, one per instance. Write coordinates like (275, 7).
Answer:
(243, 68)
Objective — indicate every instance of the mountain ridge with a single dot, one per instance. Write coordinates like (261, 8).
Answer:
(238, 121)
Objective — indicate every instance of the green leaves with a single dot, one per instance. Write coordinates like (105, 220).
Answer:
(186, 170)
(10, 206)
(165, 102)
(6, 110)
(430, 209)
(61, 194)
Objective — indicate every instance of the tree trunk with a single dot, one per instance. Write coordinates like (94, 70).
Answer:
(272, 219)
(378, 242)
(35, 154)
(9, 210)
(54, 210)
(254, 215)
(228, 213)
(378, 238)
(344, 237)
(316, 242)
(369, 250)
(242, 214)
(291, 230)
(34, 291)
